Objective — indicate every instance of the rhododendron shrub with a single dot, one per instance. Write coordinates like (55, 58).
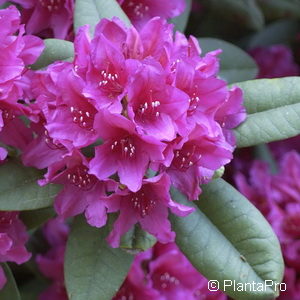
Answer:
(114, 133)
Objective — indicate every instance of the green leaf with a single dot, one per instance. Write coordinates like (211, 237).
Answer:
(181, 21)
(227, 238)
(92, 11)
(35, 218)
(280, 32)
(274, 111)
(275, 9)
(235, 64)
(93, 269)
(246, 12)
(264, 94)
(54, 50)
(268, 126)
(137, 240)
(10, 290)
(19, 189)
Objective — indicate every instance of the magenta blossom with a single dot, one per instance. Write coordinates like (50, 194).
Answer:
(13, 237)
(275, 61)
(51, 264)
(141, 11)
(124, 151)
(164, 273)
(16, 51)
(278, 198)
(47, 18)
(149, 207)
(129, 101)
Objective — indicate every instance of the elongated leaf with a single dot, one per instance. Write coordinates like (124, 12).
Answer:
(55, 50)
(181, 21)
(246, 12)
(227, 238)
(268, 126)
(19, 189)
(235, 64)
(93, 270)
(92, 11)
(263, 94)
(274, 109)
(10, 290)
(279, 32)
(275, 9)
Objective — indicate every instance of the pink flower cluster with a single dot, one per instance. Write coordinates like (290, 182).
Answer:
(275, 61)
(13, 237)
(132, 103)
(51, 264)
(278, 198)
(164, 273)
(16, 51)
(54, 18)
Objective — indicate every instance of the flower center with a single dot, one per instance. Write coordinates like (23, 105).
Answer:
(194, 102)
(8, 115)
(149, 109)
(141, 203)
(137, 8)
(125, 147)
(109, 81)
(6, 218)
(185, 158)
(50, 143)
(83, 118)
(51, 5)
(167, 280)
(79, 177)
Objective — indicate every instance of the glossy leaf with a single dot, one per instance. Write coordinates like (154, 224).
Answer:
(246, 12)
(263, 94)
(19, 189)
(268, 126)
(55, 50)
(181, 21)
(93, 270)
(275, 9)
(235, 63)
(92, 11)
(227, 238)
(10, 290)
(280, 32)
(274, 111)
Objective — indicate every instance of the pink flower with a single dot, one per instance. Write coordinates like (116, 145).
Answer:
(124, 151)
(16, 51)
(51, 264)
(47, 18)
(13, 237)
(158, 109)
(196, 158)
(133, 100)
(80, 188)
(275, 61)
(164, 273)
(141, 11)
(277, 196)
(149, 207)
